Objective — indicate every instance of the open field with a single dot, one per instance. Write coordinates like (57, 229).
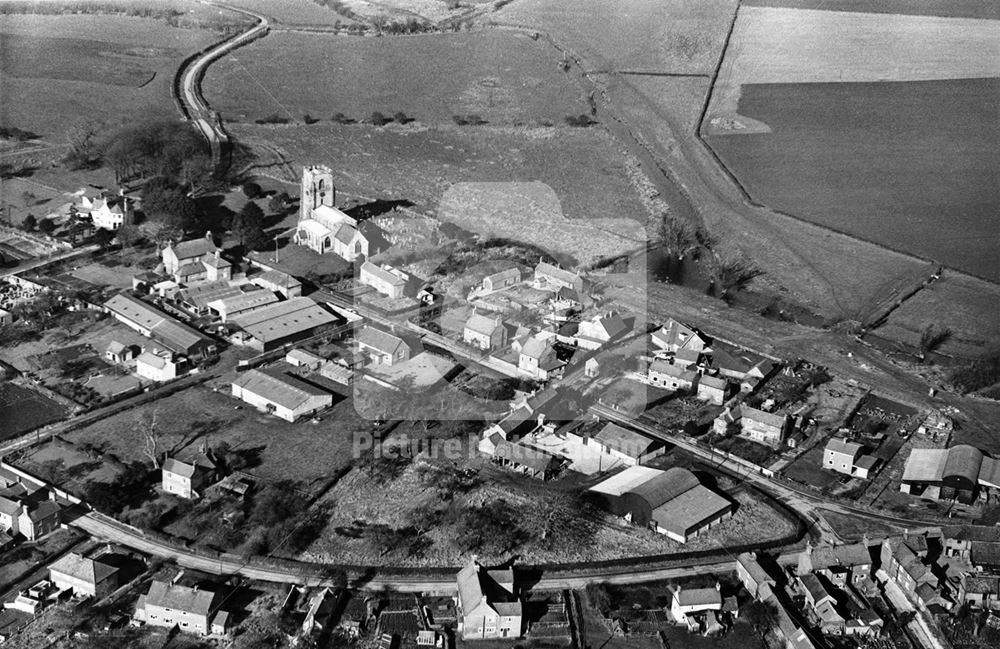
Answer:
(278, 450)
(22, 409)
(502, 76)
(908, 165)
(67, 76)
(680, 36)
(591, 177)
(308, 13)
(808, 46)
(944, 8)
(965, 305)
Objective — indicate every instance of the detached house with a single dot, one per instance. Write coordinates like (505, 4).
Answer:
(188, 479)
(156, 366)
(487, 604)
(384, 348)
(595, 333)
(83, 576)
(502, 279)
(484, 332)
(195, 260)
(848, 458)
(688, 604)
(764, 427)
(111, 213)
(384, 279)
(538, 360)
(673, 337)
(552, 276)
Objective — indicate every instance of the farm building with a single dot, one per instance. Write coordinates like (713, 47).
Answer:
(159, 326)
(83, 576)
(627, 446)
(384, 279)
(304, 358)
(501, 279)
(484, 332)
(278, 282)
(227, 308)
(960, 472)
(283, 395)
(526, 459)
(383, 347)
(670, 502)
(274, 325)
(487, 604)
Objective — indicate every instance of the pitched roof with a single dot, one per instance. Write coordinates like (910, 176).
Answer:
(243, 301)
(43, 510)
(839, 445)
(80, 567)
(546, 269)
(181, 598)
(686, 510)
(277, 278)
(665, 368)
(715, 382)
(665, 486)
(524, 455)
(346, 233)
(151, 359)
(849, 555)
(774, 419)
(478, 587)
(380, 340)
(753, 568)
(675, 334)
(382, 274)
(814, 587)
(285, 390)
(482, 324)
(504, 275)
(115, 347)
(171, 333)
(698, 597)
(624, 481)
(624, 440)
(536, 347)
(283, 319)
(193, 248)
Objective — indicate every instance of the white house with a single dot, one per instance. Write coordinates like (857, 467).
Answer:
(383, 347)
(600, 330)
(848, 458)
(187, 479)
(674, 336)
(484, 332)
(386, 280)
(156, 366)
(689, 602)
(502, 279)
(537, 359)
(111, 213)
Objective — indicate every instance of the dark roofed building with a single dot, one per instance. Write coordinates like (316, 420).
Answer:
(159, 326)
(628, 446)
(384, 348)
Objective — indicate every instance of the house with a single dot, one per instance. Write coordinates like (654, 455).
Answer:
(484, 332)
(226, 308)
(384, 279)
(159, 326)
(552, 276)
(83, 576)
(848, 458)
(537, 359)
(110, 212)
(383, 347)
(304, 358)
(671, 502)
(728, 421)
(188, 479)
(713, 389)
(119, 353)
(487, 604)
(687, 603)
(670, 377)
(627, 446)
(278, 282)
(195, 260)
(673, 337)
(602, 329)
(960, 473)
(167, 605)
(905, 566)
(36, 519)
(839, 564)
(764, 427)
(752, 575)
(980, 591)
(501, 279)
(156, 366)
(282, 395)
(281, 323)
(822, 602)
(591, 368)
(976, 544)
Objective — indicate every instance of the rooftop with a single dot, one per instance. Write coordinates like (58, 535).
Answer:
(379, 340)
(624, 440)
(80, 567)
(177, 336)
(282, 319)
(285, 390)
(181, 598)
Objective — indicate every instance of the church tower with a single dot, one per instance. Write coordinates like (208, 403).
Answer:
(317, 189)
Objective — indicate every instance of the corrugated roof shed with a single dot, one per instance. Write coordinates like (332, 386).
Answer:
(284, 319)
(284, 390)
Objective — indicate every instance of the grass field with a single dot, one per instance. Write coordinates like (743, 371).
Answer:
(294, 12)
(908, 165)
(682, 36)
(944, 8)
(23, 409)
(500, 75)
(60, 71)
(591, 177)
(965, 305)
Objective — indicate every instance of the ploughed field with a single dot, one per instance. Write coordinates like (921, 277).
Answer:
(910, 165)
(23, 409)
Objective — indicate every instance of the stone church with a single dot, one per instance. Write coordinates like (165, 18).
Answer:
(324, 228)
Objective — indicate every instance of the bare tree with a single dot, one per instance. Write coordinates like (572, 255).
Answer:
(148, 427)
(676, 236)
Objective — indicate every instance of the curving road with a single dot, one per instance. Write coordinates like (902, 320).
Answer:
(193, 103)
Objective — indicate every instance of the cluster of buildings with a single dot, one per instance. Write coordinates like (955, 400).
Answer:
(28, 510)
